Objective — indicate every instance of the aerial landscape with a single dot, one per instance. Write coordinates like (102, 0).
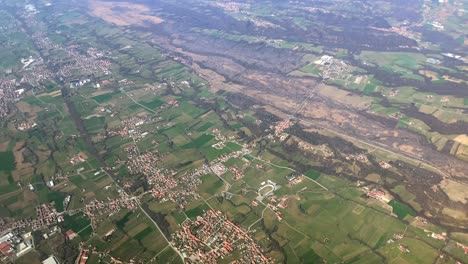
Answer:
(247, 131)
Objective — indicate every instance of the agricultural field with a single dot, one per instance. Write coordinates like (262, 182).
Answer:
(304, 133)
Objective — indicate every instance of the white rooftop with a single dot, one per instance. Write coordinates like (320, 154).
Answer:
(50, 260)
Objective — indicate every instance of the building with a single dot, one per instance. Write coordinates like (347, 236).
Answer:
(14, 245)
(51, 260)
(5, 248)
(83, 258)
(50, 183)
(23, 248)
(71, 234)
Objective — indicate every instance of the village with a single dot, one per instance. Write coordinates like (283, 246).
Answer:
(36, 74)
(212, 236)
(124, 155)
(9, 93)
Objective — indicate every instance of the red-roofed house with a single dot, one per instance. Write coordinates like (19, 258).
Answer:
(71, 234)
(5, 248)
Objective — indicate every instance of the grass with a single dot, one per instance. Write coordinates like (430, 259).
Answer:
(320, 215)
(325, 216)
(7, 161)
(76, 222)
(143, 233)
(174, 131)
(211, 153)
(6, 178)
(197, 211)
(403, 121)
(94, 123)
(204, 127)
(210, 186)
(190, 109)
(104, 97)
(310, 69)
(407, 196)
(312, 174)
(58, 198)
(234, 146)
(248, 157)
(168, 256)
(8, 188)
(380, 242)
(121, 223)
(153, 104)
(127, 250)
(406, 60)
(86, 233)
(369, 88)
(401, 210)
(199, 142)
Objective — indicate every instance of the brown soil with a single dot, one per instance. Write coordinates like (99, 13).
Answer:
(29, 111)
(457, 192)
(123, 13)
(4, 146)
(29, 196)
(23, 169)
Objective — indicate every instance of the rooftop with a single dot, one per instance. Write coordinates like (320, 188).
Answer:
(51, 260)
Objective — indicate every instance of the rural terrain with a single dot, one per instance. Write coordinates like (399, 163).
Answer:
(233, 132)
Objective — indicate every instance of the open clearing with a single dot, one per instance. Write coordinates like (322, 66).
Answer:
(122, 13)
(344, 97)
(463, 139)
(455, 191)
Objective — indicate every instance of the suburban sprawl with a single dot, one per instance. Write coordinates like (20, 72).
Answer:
(233, 132)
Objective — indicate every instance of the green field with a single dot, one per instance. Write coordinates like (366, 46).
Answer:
(199, 210)
(248, 157)
(105, 97)
(199, 142)
(204, 127)
(169, 256)
(57, 198)
(7, 161)
(211, 153)
(147, 231)
(153, 104)
(121, 223)
(313, 174)
(369, 89)
(76, 222)
(94, 123)
(310, 69)
(324, 218)
(401, 210)
(211, 184)
(85, 233)
(406, 60)
(234, 146)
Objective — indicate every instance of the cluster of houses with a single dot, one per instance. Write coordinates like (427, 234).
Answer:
(131, 128)
(9, 93)
(212, 236)
(112, 206)
(165, 186)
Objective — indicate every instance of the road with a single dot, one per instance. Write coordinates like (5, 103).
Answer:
(92, 149)
(131, 98)
(378, 146)
(149, 217)
(160, 231)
